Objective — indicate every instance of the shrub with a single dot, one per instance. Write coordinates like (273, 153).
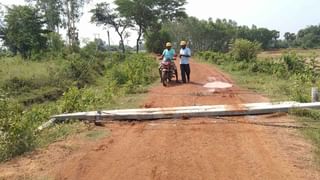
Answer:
(136, 71)
(18, 85)
(16, 131)
(213, 57)
(245, 50)
(111, 91)
(293, 63)
(301, 85)
(83, 70)
(77, 100)
(268, 66)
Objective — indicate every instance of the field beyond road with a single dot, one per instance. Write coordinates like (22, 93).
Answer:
(253, 147)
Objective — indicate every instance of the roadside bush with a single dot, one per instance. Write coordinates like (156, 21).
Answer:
(213, 57)
(5, 53)
(301, 75)
(77, 100)
(268, 66)
(18, 85)
(81, 70)
(119, 57)
(301, 86)
(16, 132)
(293, 63)
(136, 71)
(18, 126)
(111, 91)
(245, 50)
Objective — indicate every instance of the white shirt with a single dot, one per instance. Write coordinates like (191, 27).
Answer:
(183, 59)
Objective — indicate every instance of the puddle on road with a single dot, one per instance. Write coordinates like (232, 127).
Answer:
(212, 86)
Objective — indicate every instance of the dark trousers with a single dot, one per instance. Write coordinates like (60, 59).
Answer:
(185, 71)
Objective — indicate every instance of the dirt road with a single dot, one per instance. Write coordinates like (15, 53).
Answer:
(230, 148)
(242, 148)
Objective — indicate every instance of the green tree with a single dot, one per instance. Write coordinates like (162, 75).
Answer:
(72, 11)
(289, 36)
(52, 12)
(62, 13)
(170, 10)
(156, 40)
(106, 16)
(205, 35)
(267, 38)
(289, 39)
(2, 28)
(55, 43)
(148, 13)
(23, 31)
(309, 37)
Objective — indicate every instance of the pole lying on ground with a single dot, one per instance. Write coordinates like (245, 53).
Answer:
(183, 112)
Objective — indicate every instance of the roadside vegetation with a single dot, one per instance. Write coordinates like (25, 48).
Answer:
(110, 84)
(287, 77)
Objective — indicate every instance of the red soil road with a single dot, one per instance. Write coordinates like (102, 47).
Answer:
(203, 148)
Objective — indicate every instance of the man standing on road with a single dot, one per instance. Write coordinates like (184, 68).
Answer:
(185, 54)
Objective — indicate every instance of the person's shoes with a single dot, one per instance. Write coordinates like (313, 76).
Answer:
(177, 81)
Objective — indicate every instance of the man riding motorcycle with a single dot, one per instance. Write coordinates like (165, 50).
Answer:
(169, 55)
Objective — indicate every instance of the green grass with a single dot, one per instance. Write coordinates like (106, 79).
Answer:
(97, 134)
(300, 52)
(16, 67)
(314, 135)
(270, 86)
(30, 81)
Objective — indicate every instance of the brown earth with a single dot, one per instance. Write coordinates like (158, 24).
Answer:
(253, 147)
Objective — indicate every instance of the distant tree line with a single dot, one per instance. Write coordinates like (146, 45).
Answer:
(218, 35)
(305, 38)
(35, 28)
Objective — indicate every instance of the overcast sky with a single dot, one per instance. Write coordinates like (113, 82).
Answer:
(281, 15)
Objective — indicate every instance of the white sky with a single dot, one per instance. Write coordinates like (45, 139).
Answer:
(281, 15)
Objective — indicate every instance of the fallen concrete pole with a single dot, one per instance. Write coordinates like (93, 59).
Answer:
(182, 112)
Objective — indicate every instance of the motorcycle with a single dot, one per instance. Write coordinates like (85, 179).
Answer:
(167, 72)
